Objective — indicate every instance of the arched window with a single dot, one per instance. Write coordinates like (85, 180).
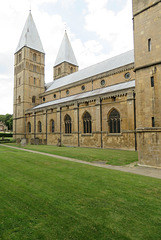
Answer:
(19, 99)
(114, 121)
(29, 127)
(68, 124)
(33, 99)
(52, 126)
(39, 126)
(87, 124)
(71, 69)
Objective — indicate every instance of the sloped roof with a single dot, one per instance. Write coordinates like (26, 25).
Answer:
(100, 91)
(30, 37)
(65, 53)
(105, 66)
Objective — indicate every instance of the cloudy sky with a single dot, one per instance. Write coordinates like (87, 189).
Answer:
(97, 29)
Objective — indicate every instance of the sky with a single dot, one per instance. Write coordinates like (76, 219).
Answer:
(97, 29)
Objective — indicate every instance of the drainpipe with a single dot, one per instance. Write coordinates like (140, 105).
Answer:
(46, 126)
(101, 121)
(135, 121)
(78, 126)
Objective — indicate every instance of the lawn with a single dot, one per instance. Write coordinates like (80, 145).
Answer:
(46, 198)
(108, 156)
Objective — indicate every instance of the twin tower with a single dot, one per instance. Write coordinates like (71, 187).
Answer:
(29, 77)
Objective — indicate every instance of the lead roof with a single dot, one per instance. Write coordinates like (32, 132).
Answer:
(102, 67)
(86, 95)
(30, 37)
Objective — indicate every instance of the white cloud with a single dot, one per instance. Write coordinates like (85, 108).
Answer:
(115, 28)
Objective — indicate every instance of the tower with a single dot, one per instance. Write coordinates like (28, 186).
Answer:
(66, 62)
(147, 47)
(28, 75)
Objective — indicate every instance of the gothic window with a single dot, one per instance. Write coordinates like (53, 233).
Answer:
(87, 123)
(33, 99)
(34, 57)
(29, 127)
(52, 126)
(114, 121)
(39, 127)
(68, 124)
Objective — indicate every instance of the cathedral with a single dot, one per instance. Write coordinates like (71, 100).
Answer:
(113, 104)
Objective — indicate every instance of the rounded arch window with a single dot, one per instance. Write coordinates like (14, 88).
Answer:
(19, 99)
(67, 92)
(54, 95)
(114, 121)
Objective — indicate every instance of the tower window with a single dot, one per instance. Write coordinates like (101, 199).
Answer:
(87, 123)
(54, 95)
(71, 69)
(68, 124)
(34, 68)
(103, 82)
(34, 80)
(114, 121)
(33, 99)
(19, 99)
(153, 122)
(152, 81)
(34, 57)
(59, 71)
(43, 99)
(149, 44)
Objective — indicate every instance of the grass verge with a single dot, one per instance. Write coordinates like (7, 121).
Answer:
(108, 156)
(46, 198)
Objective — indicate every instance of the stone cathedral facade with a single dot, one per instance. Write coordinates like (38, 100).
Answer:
(112, 104)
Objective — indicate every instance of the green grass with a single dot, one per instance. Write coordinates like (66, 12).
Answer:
(46, 198)
(109, 156)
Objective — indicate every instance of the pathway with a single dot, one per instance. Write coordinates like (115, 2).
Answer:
(140, 170)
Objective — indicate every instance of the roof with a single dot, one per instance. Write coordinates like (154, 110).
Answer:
(30, 37)
(65, 53)
(102, 67)
(100, 91)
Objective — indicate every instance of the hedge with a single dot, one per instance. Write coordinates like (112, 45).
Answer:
(6, 134)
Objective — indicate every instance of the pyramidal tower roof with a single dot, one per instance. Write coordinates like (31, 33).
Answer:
(65, 53)
(30, 37)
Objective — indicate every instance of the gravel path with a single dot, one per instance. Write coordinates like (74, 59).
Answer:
(140, 170)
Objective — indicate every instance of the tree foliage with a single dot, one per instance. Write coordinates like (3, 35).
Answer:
(7, 120)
